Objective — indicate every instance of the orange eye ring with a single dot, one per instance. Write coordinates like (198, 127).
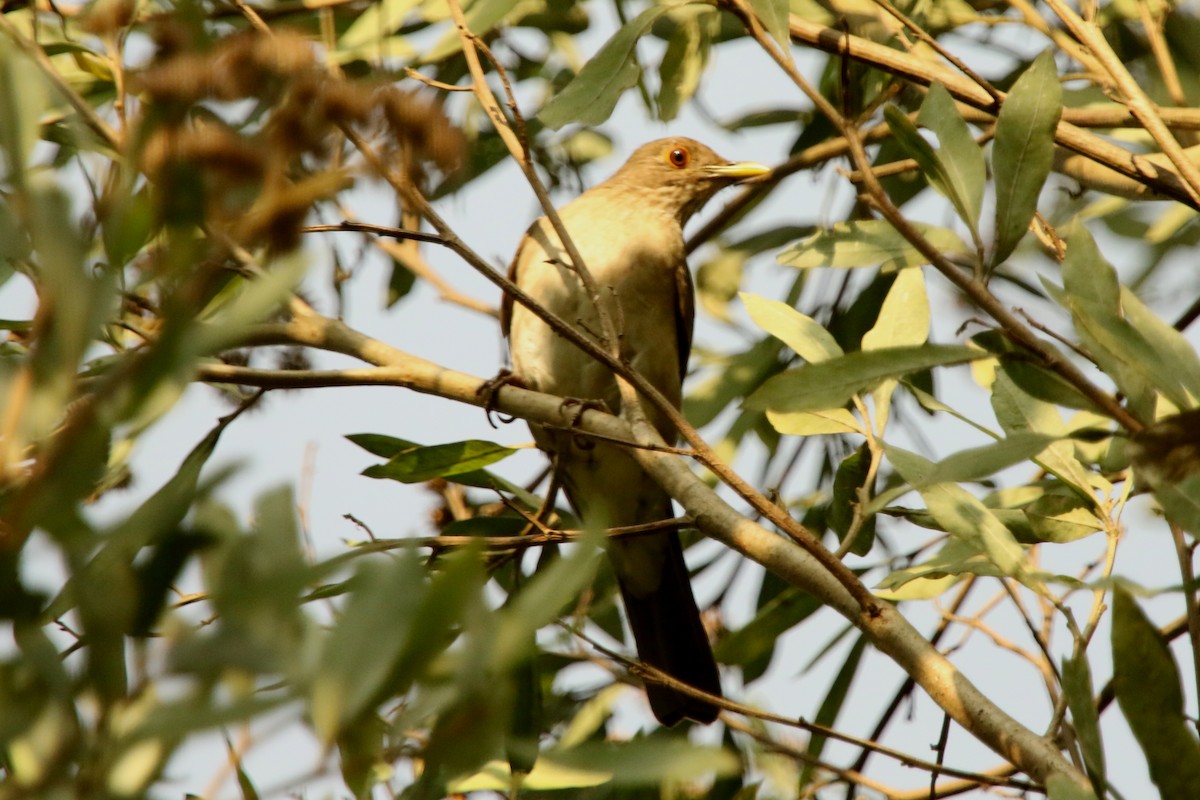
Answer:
(678, 157)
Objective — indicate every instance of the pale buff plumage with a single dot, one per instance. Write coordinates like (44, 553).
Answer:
(629, 232)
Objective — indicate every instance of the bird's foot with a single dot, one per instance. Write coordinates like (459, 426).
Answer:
(487, 392)
(576, 408)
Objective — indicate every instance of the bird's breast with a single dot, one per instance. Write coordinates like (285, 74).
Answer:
(633, 259)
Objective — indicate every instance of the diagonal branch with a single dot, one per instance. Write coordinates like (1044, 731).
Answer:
(886, 628)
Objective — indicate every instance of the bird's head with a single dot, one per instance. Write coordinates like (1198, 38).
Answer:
(680, 175)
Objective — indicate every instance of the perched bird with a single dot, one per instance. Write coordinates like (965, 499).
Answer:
(629, 233)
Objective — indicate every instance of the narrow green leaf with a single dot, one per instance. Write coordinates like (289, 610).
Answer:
(851, 476)
(482, 17)
(928, 159)
(1017, 411)
(1077, 687)
(1061, 518)
(814, 423)
(376, 22)
(359, 655)
(419, 464)
(798, 331)
(23, 98)
(734, 378)
(1181, 502)
(752, 646)
(904, 318)
(378, 444)
(831, 384)
(249, 302)
(773, 14)
(1034, 379)
(938, 573)
(684, 61)
(1093, 296)
(960, 513)
(591, 95)
(648, 761)
(869, 243)
(360, 752)
(1146, 682)
(390, 446)
(1177, 355)
(1087, 275)
(959, 153)
(543, 599)
(832, 705)
(1023, 151)
(976, 463)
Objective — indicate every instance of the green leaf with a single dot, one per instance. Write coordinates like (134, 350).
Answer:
(831, 384)
(798, 331)
(1180, 502)
(247, 303)
(959, 153)
(831, 706)
(255, 582)
(360, 752)
(1177, 356)
(543, 599)
(1034, 379)
(960, 513)
(773, 14)
(977, 463)
(1137, 366)
(1023, 151)
(1061, 518)
(546, 776)
(482, 17)
(929, 161)
(389, 447)
(359, 655)
(904, 317)
(400, 282)
(685, 59)
(735, 377)
(1087, 275)
(718, 280)
(752, 646)
(869, 243)
(485, 526)
(815, 423)
(1017, 411)
(419, 464)
(648, 761)
(932, 577)
(1146, 682)
(376, 22)
(591, 95)
(1077, 687)
(23, 98)
(851, 475)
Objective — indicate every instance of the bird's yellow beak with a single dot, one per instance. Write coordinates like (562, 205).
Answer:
(738, 170)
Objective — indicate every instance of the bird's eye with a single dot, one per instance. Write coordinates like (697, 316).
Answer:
(678, 157)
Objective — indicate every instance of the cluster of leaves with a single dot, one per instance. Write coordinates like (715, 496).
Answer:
(156, 213)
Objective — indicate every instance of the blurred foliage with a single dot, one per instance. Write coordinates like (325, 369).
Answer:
(160, 164)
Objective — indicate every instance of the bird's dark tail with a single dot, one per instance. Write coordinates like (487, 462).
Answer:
(666, 625)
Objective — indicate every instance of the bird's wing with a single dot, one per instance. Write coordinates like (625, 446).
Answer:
(685, 314)
(506, 301)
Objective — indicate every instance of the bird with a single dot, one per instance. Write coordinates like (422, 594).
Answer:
(628, 230)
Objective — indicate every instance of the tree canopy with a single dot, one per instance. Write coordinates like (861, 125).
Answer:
(934, 424)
